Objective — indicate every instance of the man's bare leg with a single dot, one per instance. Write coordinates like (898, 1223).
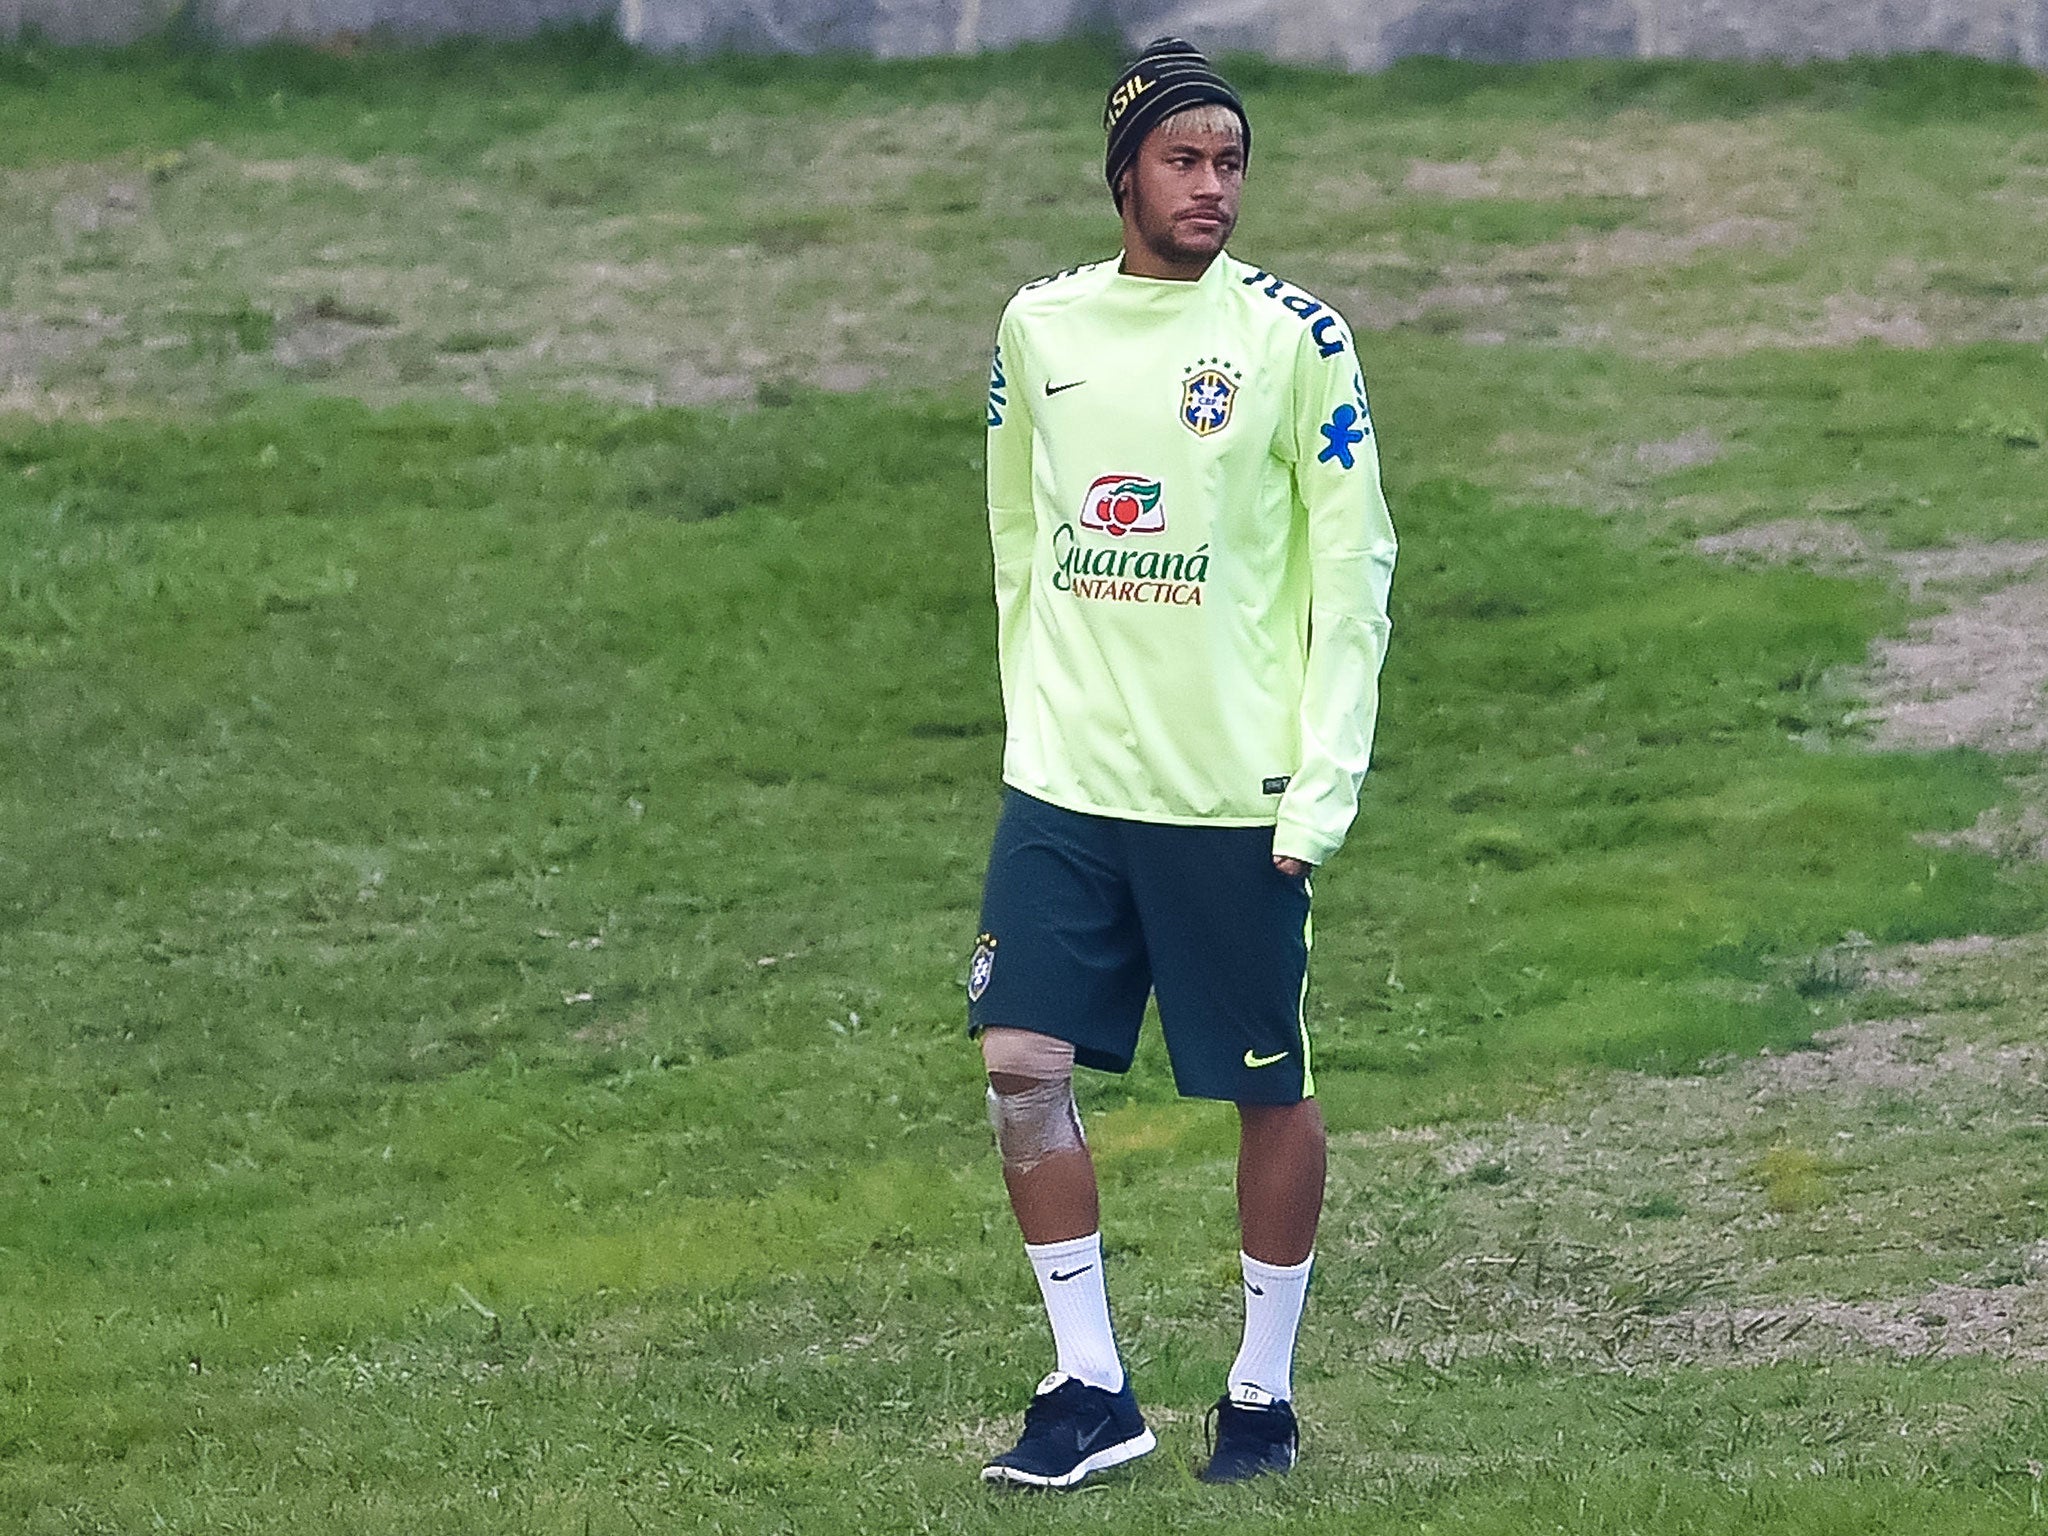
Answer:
(1280, 1168)
(1051, 1180)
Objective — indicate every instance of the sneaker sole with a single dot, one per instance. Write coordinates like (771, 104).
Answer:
(1270, 1469)
(1109, 1456)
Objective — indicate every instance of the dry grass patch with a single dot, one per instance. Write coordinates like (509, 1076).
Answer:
(29, 345)
(1686, 451)
(1975, 676)
(1647, 1223)
(657, 257)
(1697, 171)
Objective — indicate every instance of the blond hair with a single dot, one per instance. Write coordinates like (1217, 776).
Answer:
(1209, 117)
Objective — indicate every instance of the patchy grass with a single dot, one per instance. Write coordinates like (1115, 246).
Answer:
(1884, 1191)
(665, 233)
(484, 884)
(482, 950)
(1793, 1179)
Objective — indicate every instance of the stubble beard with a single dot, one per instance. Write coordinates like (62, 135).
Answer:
(1162, 239)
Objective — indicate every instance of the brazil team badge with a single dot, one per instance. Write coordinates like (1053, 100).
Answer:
(1207, 396)
(981, 967)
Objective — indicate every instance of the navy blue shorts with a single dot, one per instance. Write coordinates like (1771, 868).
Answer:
(1085, 916)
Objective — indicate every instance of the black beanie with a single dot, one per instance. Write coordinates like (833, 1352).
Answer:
(1170, 76)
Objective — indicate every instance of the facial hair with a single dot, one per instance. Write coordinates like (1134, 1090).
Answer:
(1160, 233)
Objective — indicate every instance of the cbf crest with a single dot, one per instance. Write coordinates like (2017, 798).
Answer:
(1207, 395)
(981, 967)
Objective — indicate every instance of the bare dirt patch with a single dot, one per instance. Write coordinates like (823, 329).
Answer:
(2005, 1322)
(357, 178)
(1455, 179)
(28, 345)
(1902, 314)
(1854, 317)
(1744, 193)
(234, 273)
(1967, 565)
(2010, 832)
(1624, 250)
(1959, 972)
(1976, 676)
(1685, 190)
(1705, 170)
(1644, 1224)
(1843, 548)
(1686, 451)
(1942, 1322)
(831, 253)
(1818, 542)
(1973, 676)
(1895, 1056)
(99, 206)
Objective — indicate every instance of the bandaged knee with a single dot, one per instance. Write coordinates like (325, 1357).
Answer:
(1034, 1113)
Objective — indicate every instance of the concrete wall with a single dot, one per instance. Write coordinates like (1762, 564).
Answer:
(85, 21)
(1357, 34)
(251, 21)
(1368, 34)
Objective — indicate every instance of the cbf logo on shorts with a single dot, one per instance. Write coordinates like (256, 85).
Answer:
(981, 967)
(1121, 504)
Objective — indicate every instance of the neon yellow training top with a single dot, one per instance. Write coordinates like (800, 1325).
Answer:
(1192, 551)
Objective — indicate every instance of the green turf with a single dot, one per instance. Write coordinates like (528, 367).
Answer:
(484, 891)
(345, 734)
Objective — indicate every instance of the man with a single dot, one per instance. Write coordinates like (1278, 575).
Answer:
(1192, 556)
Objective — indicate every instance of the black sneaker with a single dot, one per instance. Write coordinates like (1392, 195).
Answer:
(1247, 1439)
(1071, 1430)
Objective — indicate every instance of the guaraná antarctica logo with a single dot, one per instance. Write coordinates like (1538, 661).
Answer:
(1121, 505)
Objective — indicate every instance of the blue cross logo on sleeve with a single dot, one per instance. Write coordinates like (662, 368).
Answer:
(1339, 433)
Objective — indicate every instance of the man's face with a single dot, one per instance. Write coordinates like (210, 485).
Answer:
(1181, 194)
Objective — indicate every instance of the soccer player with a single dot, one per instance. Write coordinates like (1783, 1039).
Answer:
(1192, 557)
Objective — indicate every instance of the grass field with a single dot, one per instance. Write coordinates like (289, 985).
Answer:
(502, 737)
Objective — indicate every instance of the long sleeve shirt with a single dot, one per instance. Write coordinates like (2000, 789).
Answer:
(1192, 552)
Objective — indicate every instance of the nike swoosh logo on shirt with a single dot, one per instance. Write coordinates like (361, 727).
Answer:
(1264, 1061)
(1072, 1274)
(1052, 389)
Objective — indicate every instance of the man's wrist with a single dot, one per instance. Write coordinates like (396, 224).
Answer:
(1298, 843)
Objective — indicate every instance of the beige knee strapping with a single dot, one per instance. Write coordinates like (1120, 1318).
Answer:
(1038, 1119)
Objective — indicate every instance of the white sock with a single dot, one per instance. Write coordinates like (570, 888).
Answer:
(1070, 1280)
(1273, 1296)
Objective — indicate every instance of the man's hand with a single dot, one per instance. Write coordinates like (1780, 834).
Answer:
(1293, 869)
